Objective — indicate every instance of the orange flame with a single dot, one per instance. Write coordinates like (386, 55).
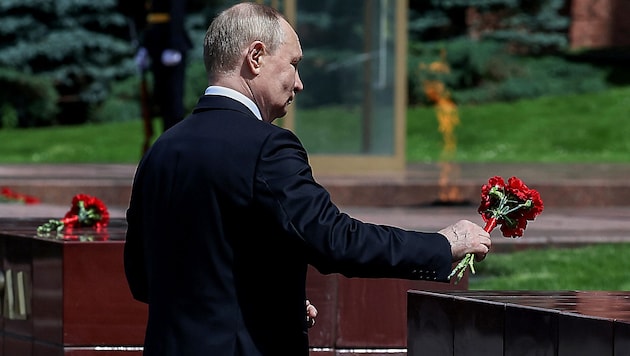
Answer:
(448, 119)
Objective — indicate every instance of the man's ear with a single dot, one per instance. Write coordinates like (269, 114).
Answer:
(255, 56)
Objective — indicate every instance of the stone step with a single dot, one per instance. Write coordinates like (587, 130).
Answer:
(566, 185)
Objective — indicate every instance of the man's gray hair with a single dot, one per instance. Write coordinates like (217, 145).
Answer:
(236, 28)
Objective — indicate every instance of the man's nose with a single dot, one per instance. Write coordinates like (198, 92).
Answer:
(299, 86)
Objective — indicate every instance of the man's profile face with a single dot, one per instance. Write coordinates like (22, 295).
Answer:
(279, 80)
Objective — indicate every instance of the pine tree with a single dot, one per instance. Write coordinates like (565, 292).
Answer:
(527, 26)
(79, 45)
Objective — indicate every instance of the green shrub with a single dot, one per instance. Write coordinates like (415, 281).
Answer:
(484, 71)
(123, 103)
(539, 76)
(470, 63)
(26, 100)
(526, 26)
(77, 43)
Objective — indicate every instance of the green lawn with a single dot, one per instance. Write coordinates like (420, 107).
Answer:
(119, 142)
(575, 128)
(595, 267)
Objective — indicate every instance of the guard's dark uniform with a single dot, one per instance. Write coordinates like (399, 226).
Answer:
(161, 24)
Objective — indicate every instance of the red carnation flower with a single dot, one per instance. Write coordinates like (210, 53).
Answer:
(510, 205)
(85, 211)
(6, 194)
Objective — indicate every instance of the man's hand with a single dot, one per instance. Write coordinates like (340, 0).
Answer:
(311, 313)
(467, 237)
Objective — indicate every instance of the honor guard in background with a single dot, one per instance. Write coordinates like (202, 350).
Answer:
(163, 42)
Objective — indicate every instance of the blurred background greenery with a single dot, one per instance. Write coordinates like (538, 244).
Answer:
(566, 129)
(69, 86)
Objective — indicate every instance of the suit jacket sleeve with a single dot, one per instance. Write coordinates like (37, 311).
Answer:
(336, 242)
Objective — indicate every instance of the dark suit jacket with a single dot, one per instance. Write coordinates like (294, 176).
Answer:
(224, 218)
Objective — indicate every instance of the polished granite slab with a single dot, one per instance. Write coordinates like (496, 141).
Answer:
(65, 293)
(518, 323)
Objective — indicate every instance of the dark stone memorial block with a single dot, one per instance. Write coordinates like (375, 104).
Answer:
(365, 315)
(478, 328)
(582, 335)
(558, 323)
(451, 326)
(530, 331)
(622, 338)
(67, 295)
(430, 325)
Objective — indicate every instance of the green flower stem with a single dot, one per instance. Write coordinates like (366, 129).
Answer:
(467, 261)
(50, 226)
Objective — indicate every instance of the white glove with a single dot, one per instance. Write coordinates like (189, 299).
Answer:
(171, 57)
(142, 59)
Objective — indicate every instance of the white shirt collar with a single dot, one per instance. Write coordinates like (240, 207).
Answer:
(231, 93)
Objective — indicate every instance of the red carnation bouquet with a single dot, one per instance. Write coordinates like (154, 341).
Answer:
(86, 211)
(509, 205)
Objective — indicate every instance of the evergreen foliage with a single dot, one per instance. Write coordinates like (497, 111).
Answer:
(527, 26)
(497, 50)
(483, 71)
(77, 44)
(59, 59)
(26, 100)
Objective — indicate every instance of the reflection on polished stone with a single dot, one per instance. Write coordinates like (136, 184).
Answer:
(77, 235)
(115, 231)
(602, 304)
(520, 322)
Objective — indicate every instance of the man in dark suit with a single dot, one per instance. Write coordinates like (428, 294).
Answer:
(225, 215)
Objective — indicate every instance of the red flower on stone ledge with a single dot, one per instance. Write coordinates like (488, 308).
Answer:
(85, 211)
(8, 195)
(509, 205)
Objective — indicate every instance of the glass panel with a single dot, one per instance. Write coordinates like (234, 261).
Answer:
(347, 106)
